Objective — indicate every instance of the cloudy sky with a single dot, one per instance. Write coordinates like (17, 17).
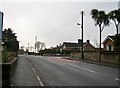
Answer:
(54, 22)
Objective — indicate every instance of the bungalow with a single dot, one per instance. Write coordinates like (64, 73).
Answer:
(108, 43)
(72, 46)
(77, 46)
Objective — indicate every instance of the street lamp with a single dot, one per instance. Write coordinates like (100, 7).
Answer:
(82, 33)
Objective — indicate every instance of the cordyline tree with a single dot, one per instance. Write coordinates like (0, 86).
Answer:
(115, 16)
(117, 43)
(101, 20)
(10, 40)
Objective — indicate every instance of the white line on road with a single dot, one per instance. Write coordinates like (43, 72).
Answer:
(117, 79)
(39, 80)
(82, 68)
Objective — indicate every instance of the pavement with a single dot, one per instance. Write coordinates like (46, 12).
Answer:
(54, 71)
(23, 74)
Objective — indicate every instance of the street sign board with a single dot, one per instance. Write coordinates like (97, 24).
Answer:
(1, 26)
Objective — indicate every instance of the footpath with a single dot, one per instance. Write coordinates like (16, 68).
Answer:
(23, 74)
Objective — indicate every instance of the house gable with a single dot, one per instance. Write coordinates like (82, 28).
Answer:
(108, 37)
(64, 47)
(88, 47)
(108, 43)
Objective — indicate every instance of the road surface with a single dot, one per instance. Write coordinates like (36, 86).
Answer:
(55, 71)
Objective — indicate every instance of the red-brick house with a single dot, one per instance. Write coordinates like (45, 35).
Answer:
(108, 43)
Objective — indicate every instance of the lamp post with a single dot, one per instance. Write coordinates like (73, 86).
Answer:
(82, 33)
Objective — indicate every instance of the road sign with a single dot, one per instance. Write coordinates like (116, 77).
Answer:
(1, 26)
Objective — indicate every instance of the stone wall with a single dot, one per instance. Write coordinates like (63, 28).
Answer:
(110, 57)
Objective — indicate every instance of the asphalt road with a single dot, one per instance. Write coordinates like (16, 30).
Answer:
(54, 71)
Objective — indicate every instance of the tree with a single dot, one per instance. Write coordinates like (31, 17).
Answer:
(117, 42)
(22, 47)
(8, 35)
(115, 16)
(10, 40)
(40, 46)
(101, 19)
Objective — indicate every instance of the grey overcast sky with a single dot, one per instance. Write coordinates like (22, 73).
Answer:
(54, 22)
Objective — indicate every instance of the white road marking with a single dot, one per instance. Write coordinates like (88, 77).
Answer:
(38, 78)
(82, 68)
(117, 79)
(11, 85)
(91, 71)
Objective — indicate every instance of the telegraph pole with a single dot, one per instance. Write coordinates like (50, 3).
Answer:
(35, 42)
(119, 33)
(82, 34)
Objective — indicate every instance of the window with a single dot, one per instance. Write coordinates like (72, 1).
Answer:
(109, 48)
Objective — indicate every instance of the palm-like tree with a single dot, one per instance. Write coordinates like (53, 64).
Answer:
(101, 20)
(115, 16)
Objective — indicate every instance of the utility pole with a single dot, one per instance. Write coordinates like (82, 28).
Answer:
(28, 47)
(35, 42)
(119, 24)
(82, 34)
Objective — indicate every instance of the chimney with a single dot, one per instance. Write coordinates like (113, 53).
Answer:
(88, 42)
(80, 42)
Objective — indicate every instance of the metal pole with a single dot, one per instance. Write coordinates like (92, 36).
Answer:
(82, 35)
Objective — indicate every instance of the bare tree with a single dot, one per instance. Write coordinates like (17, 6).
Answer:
(22, 47)
(31, 48)
(40, 46)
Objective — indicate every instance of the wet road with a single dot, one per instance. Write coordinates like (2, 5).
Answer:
(54, 71)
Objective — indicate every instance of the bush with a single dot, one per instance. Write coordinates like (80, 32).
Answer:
(7, 56)
(4, 54)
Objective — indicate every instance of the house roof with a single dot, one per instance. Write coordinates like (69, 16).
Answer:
(69, 44)
(111, 37)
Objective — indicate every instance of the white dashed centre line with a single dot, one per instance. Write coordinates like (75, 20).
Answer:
(38, 78)
(40, 82)
(117, 79)
(82, 68)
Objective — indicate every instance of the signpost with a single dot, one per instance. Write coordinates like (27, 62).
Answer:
(1, 26)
